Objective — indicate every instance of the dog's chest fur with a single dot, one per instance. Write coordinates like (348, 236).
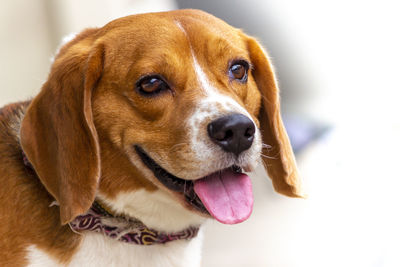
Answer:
(97, 250)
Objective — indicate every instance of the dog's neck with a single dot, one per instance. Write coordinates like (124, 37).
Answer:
(129, 230)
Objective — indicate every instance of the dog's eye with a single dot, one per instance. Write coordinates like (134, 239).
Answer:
(151, 85)
(238, 70)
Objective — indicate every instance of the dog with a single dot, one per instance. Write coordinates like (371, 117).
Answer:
(144, 129)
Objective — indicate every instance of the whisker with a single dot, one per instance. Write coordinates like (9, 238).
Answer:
(268, 157)
(266, 146)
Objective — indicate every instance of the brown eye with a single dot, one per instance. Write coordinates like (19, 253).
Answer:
(151, 85)
(238, 71)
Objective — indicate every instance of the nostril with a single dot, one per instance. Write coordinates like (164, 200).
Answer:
(222, 135)
(228, 135)
(249, 132)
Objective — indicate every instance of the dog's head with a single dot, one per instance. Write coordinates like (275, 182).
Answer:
(157, 115)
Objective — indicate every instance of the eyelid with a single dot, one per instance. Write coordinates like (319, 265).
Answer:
(149, 76)
(241, 61)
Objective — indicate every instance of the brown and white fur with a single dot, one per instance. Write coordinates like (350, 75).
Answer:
(79, 133)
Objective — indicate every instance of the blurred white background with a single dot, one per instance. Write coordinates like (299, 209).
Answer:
(338, 66)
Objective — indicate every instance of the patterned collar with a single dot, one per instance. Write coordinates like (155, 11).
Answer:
(125, 229)
(128, 230)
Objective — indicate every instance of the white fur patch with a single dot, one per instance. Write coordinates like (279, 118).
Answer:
(157, 210)
(38, 258)
(180, 27)
(99, 251)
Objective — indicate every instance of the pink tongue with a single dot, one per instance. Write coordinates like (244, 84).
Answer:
(227, 195)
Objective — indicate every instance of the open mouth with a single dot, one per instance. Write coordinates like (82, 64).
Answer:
(172, 182)
(226, 194)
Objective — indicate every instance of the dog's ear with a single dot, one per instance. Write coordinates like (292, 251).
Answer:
(277, 152)
(58, 135)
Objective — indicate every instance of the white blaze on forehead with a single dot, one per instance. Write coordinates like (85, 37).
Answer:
(180, 27)
(213, 95)
(210, 92)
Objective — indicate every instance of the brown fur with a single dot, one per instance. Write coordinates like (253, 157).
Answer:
(79, 131)
(25, 215)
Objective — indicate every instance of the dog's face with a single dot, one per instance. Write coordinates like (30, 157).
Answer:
(159, 111)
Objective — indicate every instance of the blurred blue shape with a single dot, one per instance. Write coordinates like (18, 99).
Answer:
(303, 131)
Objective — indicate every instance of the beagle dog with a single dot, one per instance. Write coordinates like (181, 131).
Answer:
(144, 129)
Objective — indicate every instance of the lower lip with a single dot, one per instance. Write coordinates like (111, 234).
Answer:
(172, 182)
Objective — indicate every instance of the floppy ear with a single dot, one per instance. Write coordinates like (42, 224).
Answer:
(57, 133)
(279, 159)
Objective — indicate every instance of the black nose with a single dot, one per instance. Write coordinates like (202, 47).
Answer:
(233, 133)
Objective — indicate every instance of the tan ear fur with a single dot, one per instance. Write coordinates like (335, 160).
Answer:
(278, 158)
(57, 133)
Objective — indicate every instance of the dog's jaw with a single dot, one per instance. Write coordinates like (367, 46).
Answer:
(159, 209)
